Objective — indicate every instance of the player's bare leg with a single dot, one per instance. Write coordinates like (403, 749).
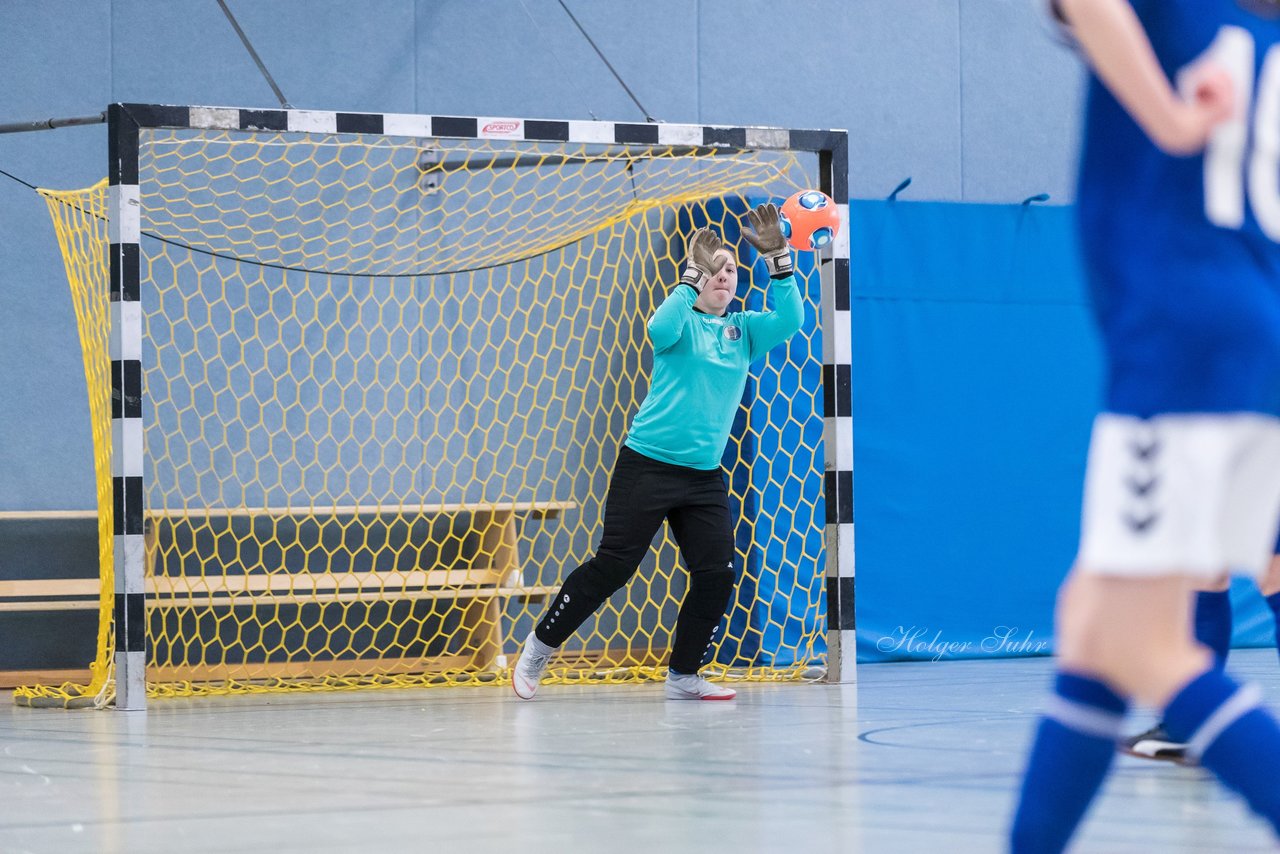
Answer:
(1212, 627)
(1131, 633)
(1127, 638)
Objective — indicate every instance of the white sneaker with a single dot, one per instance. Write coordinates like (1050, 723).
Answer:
(529, 668)
(691, 686)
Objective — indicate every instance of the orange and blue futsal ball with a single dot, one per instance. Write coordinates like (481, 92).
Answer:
(810, 220)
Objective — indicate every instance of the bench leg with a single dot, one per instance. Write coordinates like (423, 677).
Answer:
(499, 547)
(499, 554)
(483, 621)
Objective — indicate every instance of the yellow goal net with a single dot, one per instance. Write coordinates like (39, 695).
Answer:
(385, 379)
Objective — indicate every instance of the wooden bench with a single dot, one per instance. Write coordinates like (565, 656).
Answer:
(495, 576)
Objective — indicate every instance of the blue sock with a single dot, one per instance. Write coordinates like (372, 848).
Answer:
(1213, 623)
(1226, 728)
(1273, 601)
(1073, 750)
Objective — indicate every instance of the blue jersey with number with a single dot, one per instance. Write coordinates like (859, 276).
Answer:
(1183, 253)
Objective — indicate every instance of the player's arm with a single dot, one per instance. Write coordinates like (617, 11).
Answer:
(1116, 45)
(668, 322)
(767, 329)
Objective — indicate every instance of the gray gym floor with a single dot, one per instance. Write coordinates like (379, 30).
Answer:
(916, 758)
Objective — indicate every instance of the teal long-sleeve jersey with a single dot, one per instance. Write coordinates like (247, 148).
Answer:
(700, 364)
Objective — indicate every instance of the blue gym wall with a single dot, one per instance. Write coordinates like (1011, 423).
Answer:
(967, 98)
(975, 368)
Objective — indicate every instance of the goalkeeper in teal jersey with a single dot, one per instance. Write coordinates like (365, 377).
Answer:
(669, 466)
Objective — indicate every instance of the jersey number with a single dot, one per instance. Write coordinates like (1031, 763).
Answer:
(1231, 166)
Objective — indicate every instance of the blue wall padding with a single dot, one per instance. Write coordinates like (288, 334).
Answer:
(976, 377)
(1254, 623)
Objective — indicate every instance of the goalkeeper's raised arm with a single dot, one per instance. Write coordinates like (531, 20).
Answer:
(701, 353)
(669, 466)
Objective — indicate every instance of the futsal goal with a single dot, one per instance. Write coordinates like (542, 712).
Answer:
(357, 382)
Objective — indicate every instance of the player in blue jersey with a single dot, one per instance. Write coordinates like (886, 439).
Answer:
(669, 466)
(1179, 212)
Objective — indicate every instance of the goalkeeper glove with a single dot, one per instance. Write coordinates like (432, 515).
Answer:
(765, 235)
(702, 262)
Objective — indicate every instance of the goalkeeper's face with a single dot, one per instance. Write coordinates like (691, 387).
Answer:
(721, 287)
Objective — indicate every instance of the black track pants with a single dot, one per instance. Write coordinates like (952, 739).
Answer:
(643, 492)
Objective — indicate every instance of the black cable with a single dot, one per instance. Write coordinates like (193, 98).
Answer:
(609, 65)
(542, 38)
(253, 53)
(321, 271)
(19, 180)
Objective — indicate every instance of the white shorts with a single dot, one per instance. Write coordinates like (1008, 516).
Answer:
(1191, 494)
